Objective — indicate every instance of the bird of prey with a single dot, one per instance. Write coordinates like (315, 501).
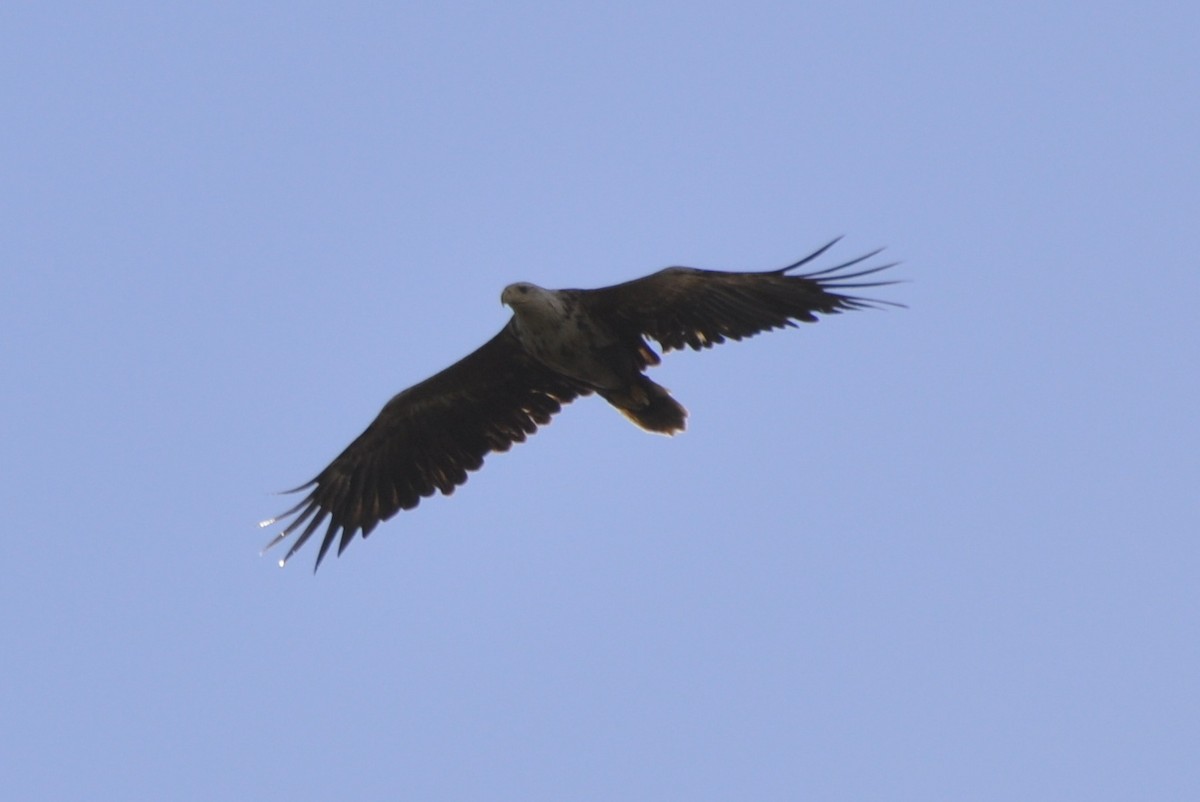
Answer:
(557, 346)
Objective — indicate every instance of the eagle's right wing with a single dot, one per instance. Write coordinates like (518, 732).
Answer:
(426, 439)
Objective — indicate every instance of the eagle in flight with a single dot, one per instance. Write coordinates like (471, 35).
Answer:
(558, 345)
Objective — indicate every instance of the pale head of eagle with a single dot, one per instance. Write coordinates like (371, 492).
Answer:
(530, 299)
(538, 310)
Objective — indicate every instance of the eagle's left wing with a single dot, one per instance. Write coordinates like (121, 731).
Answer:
(684, 306)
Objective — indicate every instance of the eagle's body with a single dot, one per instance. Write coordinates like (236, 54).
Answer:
(557, 328)
(559, 345)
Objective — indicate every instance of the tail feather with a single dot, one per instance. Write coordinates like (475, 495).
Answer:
(649, 405)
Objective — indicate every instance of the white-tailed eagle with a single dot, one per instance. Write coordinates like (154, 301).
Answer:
(558, 345)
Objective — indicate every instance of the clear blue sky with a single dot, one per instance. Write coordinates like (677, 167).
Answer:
(947, 552)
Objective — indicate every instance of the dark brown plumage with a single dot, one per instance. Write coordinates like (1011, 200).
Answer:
(558, 345)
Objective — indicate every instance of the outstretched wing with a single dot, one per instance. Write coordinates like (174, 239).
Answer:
(427, 438)
(684, 306)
